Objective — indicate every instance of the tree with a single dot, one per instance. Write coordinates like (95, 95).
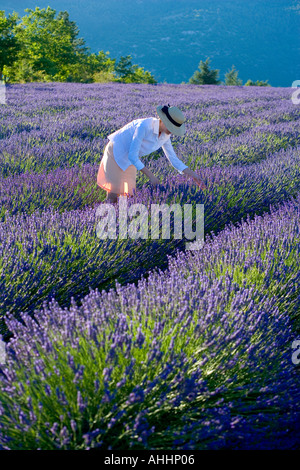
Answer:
(231, 78)
(205, 76)
(50, 50)
(128, 73)
(93, 68)
(50, 46)
(257, 83)
(9, 44)
(102, 67)
(124, 67)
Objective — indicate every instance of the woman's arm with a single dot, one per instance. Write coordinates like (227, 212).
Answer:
(187, 171)
(197, 179)
(150, 175)
(179, 165)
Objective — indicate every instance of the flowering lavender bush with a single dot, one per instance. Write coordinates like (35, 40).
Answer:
(52, 255)
(48, 126)
(197, 357)
(56, 253)
(273, 180)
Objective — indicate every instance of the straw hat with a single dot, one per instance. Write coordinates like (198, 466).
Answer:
(172, 118)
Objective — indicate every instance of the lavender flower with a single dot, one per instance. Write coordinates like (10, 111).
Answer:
(195, 355)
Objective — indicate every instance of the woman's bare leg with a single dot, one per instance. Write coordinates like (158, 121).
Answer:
(112, 197)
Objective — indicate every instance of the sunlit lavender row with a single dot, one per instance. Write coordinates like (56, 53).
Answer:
(47, 126)
(54, 253)
(196, 357)
(272, 180)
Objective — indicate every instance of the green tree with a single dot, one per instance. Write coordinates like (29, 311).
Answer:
(205, 76)
(51, 49)
(124, 67)
(139, 75)
(102, 67)
(131, 73)
(231, 78)
(9, 44)
(93, 68)
(257, 83)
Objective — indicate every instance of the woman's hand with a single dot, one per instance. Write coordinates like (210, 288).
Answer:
(200, 183)
(196, 178)
(154, 181)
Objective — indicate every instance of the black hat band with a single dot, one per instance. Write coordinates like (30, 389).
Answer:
(165, 109)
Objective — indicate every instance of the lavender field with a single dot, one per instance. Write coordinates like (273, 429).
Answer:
(141, 344)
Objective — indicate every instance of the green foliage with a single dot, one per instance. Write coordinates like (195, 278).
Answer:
(45, 47)
(9, 44)
(104, 77)
(102, 67)
(50, 47)
(231, 78)
(124, 67)
(257, 83)
(205, 76)
(129, 73)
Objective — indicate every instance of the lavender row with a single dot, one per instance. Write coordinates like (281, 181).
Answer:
(38, 114)
(39, 134)
(56, 97)
(56, 253)
(64, 189)
(223, 142)
(248, 147)
(197, 357)
(75, 188)
(22, 154)
(25, 158)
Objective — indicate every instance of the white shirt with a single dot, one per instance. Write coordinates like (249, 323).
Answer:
(141, 137)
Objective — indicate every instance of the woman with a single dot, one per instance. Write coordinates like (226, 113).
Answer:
(121, 159)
